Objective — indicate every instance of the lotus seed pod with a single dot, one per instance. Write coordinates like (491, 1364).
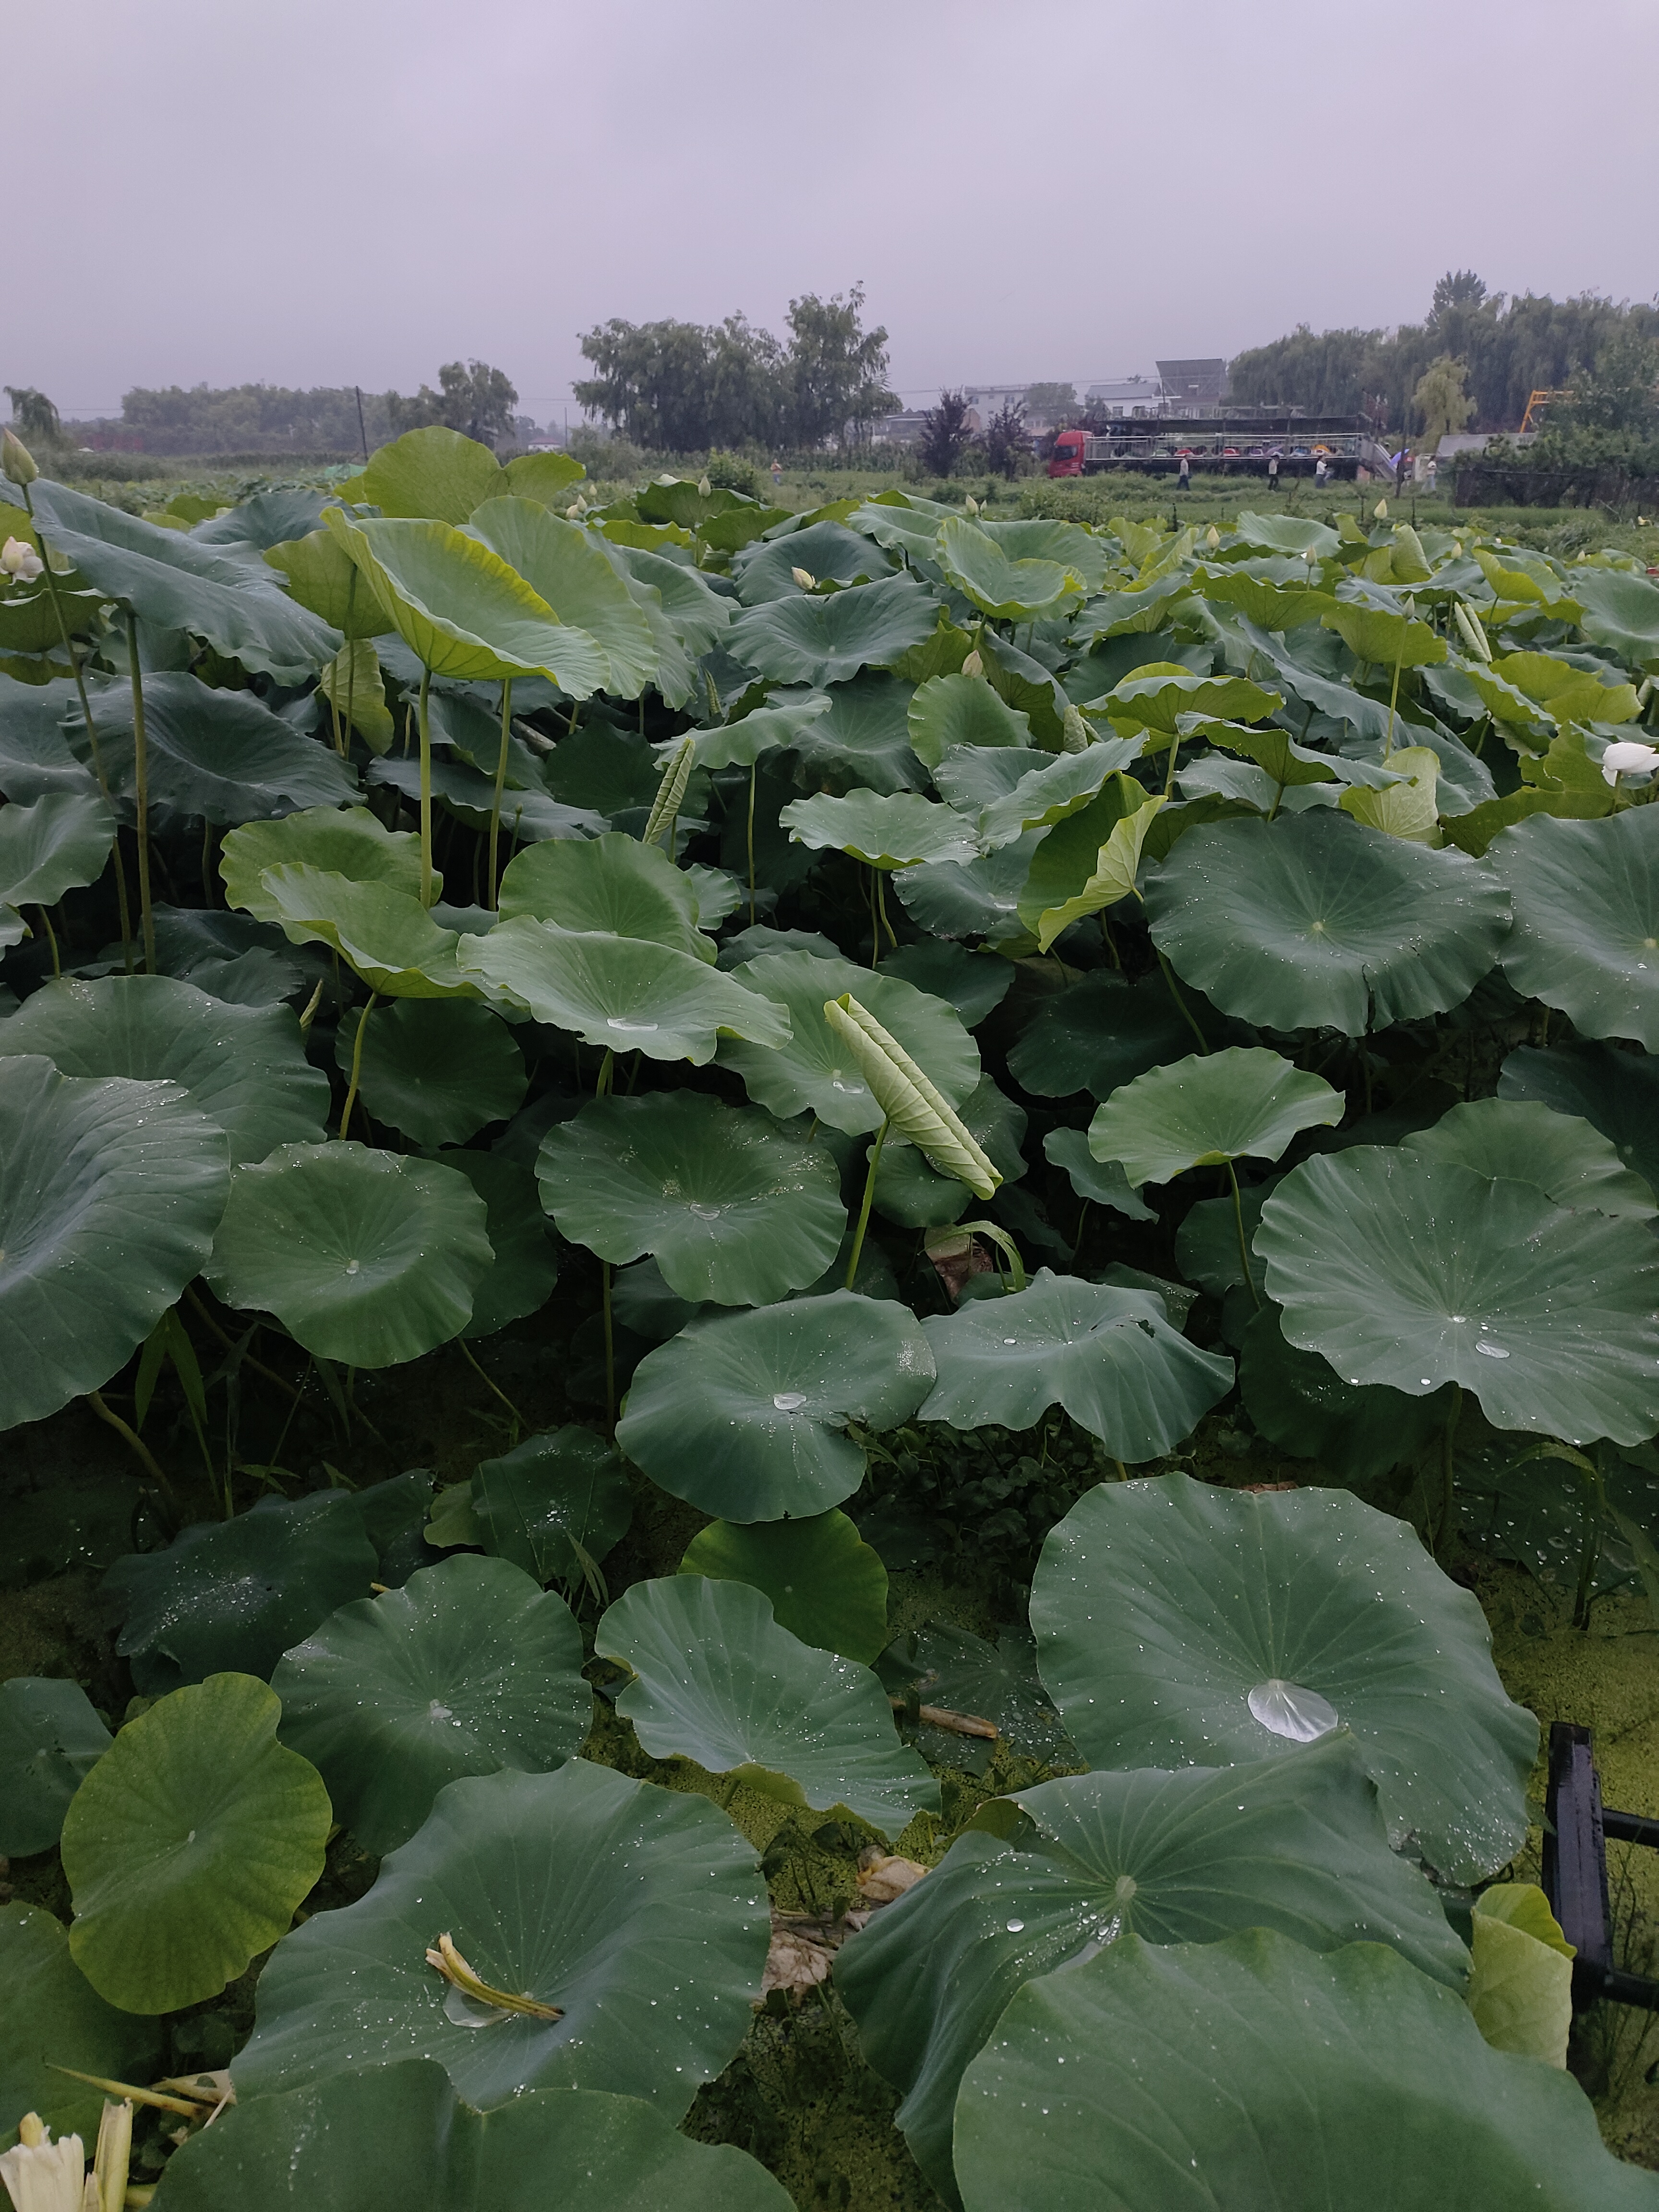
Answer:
(16, 462)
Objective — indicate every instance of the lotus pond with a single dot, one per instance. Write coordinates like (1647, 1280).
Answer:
(770, 1285)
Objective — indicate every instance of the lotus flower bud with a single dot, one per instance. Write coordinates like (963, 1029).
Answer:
(971, 504)
(704, 487)
(1381, 510)
(16, 462)
(18, 562)
(1628, 757)
(806, 579)
(972, 665)
(1212, 537)
(39, 2175)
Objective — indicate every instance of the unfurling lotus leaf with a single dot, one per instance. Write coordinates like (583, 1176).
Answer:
(909, 1099)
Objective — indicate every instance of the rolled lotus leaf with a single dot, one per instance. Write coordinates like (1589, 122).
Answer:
(909, 1100)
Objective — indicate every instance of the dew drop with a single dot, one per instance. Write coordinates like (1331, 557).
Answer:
(631, 1029)
(1491, 1350)
(788, 1402)
(706, 1212)
(1015, 1926)
(1289, 1711)
(351, 1266)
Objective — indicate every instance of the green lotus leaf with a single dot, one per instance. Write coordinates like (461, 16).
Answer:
(1586, 939)
(1286, 533)
(806, 640)
(912, 1191)
(1568, 1159)
(974, 985)
(970, 777)
(862, 740)
(1102, 1182)
(398, 2135)
(322, 576)
(364, 1256)
(176, 583)
(622, 993)
(1207, 1245)
(1275, 752)
(1089, 557)
(1091, 843)
(579, 1889)
(462, 610)
(53, 2017)
(1208, 1109)
(828, 551)
(610, 883)
(526, 1268)
(1616, 1092)
(1295, 1844)
(552, 1500)
(189, 1845)
(1621, 610)
(1316, 921)
(763, 730)
(1366, 2085)
(1521, 1988)
(438, 1070)
(49, 1737)
(388, 937)
(1416, 1270)
(971, 898)
(234, 1595)
(1103, 1032)
(560, 561)
(825, 1584)
(1059, 790)
(1108, 1356)
(745, 1415)
(468, 795)
(110, 1193)
(468, 1668)
(691, 610)
(1394, 640)
(733, 1209)
(1269, 606)
(34, 754)
(243, 1067)
(60, 843)
(947, 711)
(1180, 1624)
(813, 1070)
(1006, 589)
(717, 1680)
(1154, 698)
(355, 688)
(1299, 1402)
(344, 841)
(223, 754)
(896, 832)
(435, 472)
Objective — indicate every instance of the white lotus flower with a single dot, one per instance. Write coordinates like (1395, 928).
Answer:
(972, 665)
(43, 2176)
(1627, 757)
(19, 561)
(804, 577)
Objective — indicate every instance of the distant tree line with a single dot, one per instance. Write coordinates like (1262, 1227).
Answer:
(1506, 347)
(680, 387)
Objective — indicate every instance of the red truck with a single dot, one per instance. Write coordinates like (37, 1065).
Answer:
(1066, 459)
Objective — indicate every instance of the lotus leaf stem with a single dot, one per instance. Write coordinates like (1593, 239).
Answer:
(1448, 1474)
(754, 767)
(1186, 1010)
(1243, 1241)
(426, 789)
(864, 1210)
(501, 779)
(51, 939)
(607, 1069)
(495, 1390)
(609, 1349)
(135, 1442)
(141, 780)
(356, 1063)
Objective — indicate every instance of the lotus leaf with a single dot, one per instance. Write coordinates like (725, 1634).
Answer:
(1586, 939)
(49, 1738)
(364, 1256)
(896, 832)
(389, 939)
(1521, 1988)
(1415, 1270)
(469, 1667)
(398, 2135)
(438, 1070)
(947, 711)
(56, 845)
(636, 1914)
(322, 576)
(223, 754)
(177, 583)
(526, 813)
(913, 1190)
(974, 986)
(1179, 1624)
(827, 551)
(1316, 921)
(561, 563)
(1569, 1160)
(552, 1504)
(1392, 641)
(525, 1268)
(1110, 878)
(235, 1594)
(1101, 1033)
(1299, 1402)
(1006, 589)
(1091, 844)
(745, 1415)
(826, 1585)
(611, 883)
(734, 1209)
(1294, 1843)
(972, 898)
(1155, 697)
(1108, 1356)
(110, 1193)
(806, 639)
(356, 691)
(1619, 610)
(1101, 1182)
(1367, 2086)
(347, 841)
(863, 738)
(1616, 1092)
(242, 1067)
(53, 2016)
(433, 471)
(1207, 1110)
(188, 1846)
(717, 1680)
(693, 613)
(814, 1070)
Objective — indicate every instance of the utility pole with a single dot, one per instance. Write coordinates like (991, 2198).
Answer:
(361, 432)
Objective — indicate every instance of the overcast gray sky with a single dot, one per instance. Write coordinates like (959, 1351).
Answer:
(329, 191)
